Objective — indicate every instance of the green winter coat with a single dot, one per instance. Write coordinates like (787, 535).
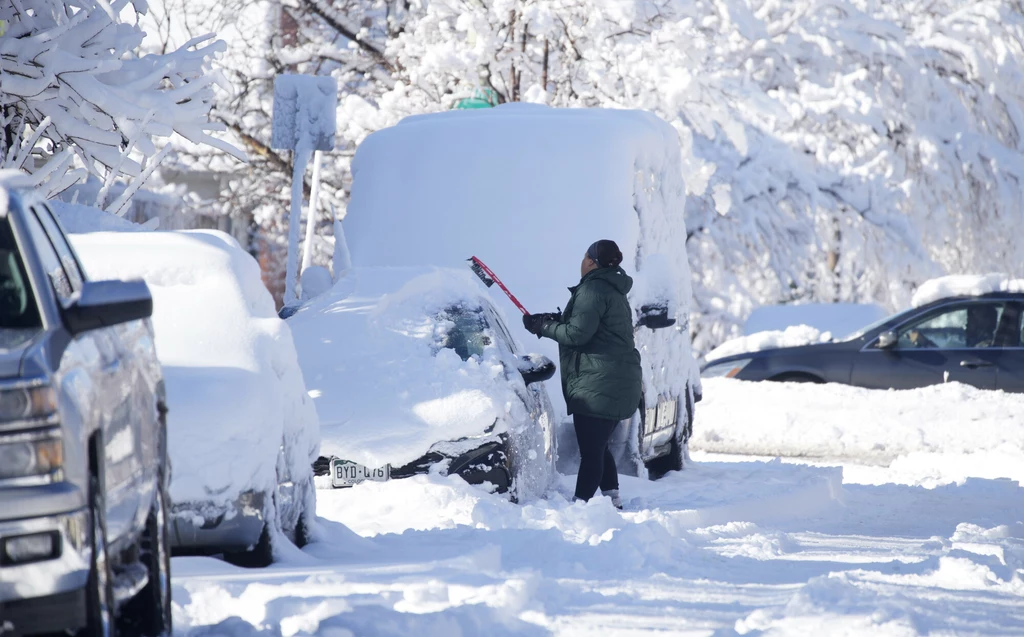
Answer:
(601, 375)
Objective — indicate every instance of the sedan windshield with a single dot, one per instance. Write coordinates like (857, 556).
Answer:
(465, 331)
(19, 316)
(867, 328)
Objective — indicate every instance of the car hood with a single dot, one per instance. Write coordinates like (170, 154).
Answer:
(386, 392)
(10, 363)
(771, 352)
(14, 344)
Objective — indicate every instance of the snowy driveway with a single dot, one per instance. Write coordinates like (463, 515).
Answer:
(732, 545)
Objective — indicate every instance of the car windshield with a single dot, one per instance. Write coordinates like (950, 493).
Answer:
(465, 330)
(19, 315)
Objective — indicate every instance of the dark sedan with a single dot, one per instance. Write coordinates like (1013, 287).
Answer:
(975, 340)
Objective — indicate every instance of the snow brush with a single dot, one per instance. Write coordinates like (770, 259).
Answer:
(490, 278)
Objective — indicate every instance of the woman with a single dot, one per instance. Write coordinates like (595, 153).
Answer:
(601, 376)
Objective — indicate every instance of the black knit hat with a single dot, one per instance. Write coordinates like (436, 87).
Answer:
(605, 253)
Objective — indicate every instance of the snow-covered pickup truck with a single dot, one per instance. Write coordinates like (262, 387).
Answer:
(83, 463)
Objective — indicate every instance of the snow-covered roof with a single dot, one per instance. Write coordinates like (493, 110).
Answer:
(234, 386)
(839, 319)
(965, 285)
(385, 391)
(793, 336)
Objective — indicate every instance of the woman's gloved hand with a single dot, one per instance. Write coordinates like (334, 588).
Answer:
(534, 323)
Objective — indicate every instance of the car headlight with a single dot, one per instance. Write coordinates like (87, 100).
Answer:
(25, 455)
(725, 370)
(27, 402)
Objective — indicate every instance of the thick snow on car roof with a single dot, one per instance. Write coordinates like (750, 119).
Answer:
(965, 285)
(234, 386)
(528, 188)
(385, 388)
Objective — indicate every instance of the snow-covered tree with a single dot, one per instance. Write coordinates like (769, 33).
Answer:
(834, 151)
(75, 93)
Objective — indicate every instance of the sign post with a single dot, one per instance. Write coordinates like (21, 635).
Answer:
(304, 122)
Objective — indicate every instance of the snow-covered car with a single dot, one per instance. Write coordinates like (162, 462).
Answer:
(83, 460)
(960, 328)
(242, 432)
(526, 188)
(414, 370)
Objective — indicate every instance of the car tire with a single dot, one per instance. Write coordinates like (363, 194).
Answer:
(149, 613)
(260, 555)
(100, 609)
(678, 454)
(301, 532)
(797, 378)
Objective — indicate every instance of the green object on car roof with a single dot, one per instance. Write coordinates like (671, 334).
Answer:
(482, 98)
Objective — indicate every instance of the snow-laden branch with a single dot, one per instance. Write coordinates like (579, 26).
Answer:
(75, 81)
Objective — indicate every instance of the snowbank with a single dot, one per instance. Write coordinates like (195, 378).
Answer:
(839, 319)
(385, 387)
(790, 337)
(836, 421)
(234, 386)
(527, 189)
(965, 285)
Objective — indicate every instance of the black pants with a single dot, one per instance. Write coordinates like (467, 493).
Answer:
(597, 466)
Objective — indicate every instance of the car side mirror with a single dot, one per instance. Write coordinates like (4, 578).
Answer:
(535, 368)
(887, 339)
(106, 303)
(655, 317)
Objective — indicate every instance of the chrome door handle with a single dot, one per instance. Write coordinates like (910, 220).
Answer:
(974, 364)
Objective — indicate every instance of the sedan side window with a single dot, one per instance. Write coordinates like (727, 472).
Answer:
(1010, 332)
(976, 325)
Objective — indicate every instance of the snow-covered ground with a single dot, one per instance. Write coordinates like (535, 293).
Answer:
(931, 543)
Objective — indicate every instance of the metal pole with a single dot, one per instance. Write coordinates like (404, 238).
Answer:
(307, 251)
(301, 159)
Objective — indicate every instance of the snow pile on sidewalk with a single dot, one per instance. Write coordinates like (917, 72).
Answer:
(790, 337)
(837, 421)
(234, 386)
(563, 179)
(965, 285)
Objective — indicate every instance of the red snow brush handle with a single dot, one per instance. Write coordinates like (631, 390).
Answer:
(490, 278)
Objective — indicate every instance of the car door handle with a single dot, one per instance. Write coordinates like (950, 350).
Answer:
(974, 363)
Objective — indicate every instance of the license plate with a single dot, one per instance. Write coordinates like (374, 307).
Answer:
(345, 473)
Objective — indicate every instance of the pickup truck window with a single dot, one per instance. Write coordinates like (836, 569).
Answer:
(60, 244)
(51, 262)
(19, 314)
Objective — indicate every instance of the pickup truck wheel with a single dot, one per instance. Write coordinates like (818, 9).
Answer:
(150, 611)
(100, 593)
